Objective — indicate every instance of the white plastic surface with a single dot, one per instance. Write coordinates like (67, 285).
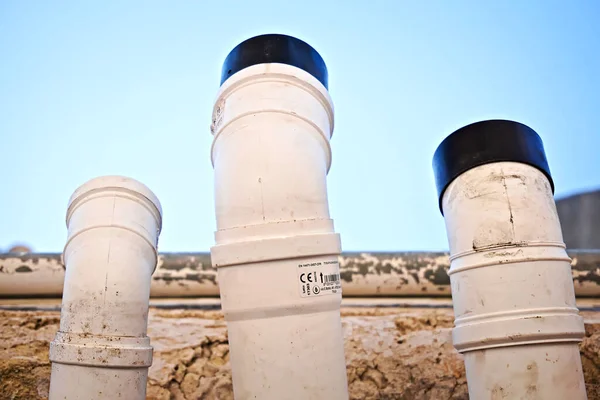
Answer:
(272, 124)
(101, 351)
(514, 303)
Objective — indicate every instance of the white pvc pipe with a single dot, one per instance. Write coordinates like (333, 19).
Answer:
(272, 123)
(515, 315)
(101, 351)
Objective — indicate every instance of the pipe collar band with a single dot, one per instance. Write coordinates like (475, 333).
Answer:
(278, 229)
(513, 328)
(508, 253)
(101, 351)
(487, 142)
(275, 48)
(128, 228)
(275, 249)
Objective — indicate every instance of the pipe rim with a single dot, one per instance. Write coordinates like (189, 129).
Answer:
(487, 142)
(275, 48)
(109, 182)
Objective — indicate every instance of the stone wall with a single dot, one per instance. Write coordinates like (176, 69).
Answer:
(392, 353)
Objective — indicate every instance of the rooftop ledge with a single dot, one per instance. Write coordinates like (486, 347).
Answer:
(363, 274)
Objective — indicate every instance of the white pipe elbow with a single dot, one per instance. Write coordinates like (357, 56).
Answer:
(101, 350)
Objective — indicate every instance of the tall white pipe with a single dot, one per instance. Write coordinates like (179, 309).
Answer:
(516, 319)
(276, 249)
(101, 351)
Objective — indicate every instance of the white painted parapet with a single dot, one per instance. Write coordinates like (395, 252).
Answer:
(276, 249)
(515, 315)
(370, 274)
(101, 351)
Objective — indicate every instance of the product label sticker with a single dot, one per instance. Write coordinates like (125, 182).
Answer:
(319, 278)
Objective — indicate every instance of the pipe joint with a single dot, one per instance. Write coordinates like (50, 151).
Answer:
(504, 329)
(507, 253)
(276, 249)
(103, 351)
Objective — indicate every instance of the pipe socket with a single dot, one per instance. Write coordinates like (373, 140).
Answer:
(516, 321)
(276, 249)
(101, 350)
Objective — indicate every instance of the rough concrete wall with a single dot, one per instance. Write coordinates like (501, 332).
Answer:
(392, 353)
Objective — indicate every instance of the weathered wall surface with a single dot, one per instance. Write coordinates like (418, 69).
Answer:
(392, 353)
(396, 274)
(580, 220)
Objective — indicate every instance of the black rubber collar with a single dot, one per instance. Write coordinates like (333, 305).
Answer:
(274, 48)
(487, 142)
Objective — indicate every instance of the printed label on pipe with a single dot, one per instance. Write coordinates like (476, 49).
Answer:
(319, 278)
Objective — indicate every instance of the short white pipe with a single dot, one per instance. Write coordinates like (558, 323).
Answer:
(515, 315)
(101, 351)
(272, 122)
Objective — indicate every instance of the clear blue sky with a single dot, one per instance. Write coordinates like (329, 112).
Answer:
(96, 88)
